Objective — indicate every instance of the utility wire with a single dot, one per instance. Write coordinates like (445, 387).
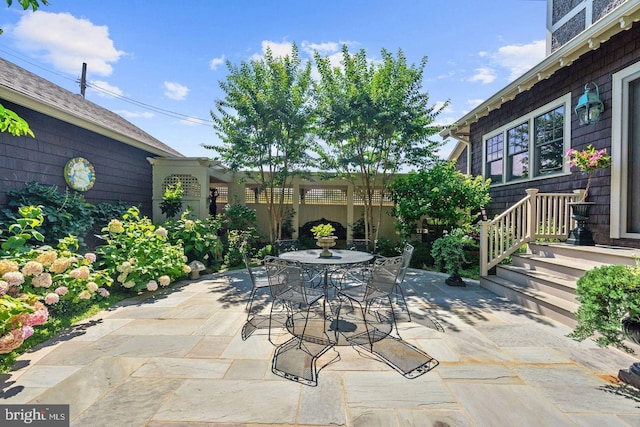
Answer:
(174, 114)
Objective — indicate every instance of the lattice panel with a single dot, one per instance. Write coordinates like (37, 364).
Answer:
(377, 194)
(223, 194)
(190, 184)
(254, 195)
(323, 196)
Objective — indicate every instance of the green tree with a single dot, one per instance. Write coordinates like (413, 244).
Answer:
(374, 121)
(264, 123)
(442, 193)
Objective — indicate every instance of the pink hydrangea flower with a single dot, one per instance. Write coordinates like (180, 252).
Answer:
(62, 291)
(51, 298)
(161, 231)
(103, 292)
(13, 278)
(152, 285)
(80, 272)
(92, 286)
(32, 268)
(4, 287)
(27, 331)
(91, 257)
(164, 280)
(42, 281)
(84, 295)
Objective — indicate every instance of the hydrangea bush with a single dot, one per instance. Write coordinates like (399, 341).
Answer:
(138, 255)
(199, 237)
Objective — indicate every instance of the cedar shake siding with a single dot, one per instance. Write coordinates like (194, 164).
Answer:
(597, 66)
(122, 171)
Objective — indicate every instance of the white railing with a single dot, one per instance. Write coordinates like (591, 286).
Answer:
(538, 215)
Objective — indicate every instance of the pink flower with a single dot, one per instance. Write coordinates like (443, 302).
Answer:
(32, 268)
(84, 295)
(60, 265)
(92, 286)
(38, 317)
(164, 280)
(103, 292)
(80, 272)
(62, 291)
(91, 257)
(162, 232)
(13, 278)
(4, 287)
(588, 161)
(27, 331)
(51, 298)
(152, 285)
(42, 281)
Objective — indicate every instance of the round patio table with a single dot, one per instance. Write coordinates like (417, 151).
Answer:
(350, 325)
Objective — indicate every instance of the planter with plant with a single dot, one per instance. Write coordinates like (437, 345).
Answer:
(609, 310)
(449, 254)
(325, 238)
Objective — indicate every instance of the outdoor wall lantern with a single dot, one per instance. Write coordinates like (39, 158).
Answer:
(589, 107)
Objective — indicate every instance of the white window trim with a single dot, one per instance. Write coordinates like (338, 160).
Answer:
(619, 151)
(565, 101)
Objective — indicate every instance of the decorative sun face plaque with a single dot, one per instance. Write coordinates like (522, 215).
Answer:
(79, 174)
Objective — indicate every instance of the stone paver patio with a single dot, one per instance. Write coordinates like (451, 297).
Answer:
(178, 359)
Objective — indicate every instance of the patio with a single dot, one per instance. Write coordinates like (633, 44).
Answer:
(177, 358)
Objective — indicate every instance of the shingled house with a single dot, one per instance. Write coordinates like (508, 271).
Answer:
(519, 137)
(67, 126)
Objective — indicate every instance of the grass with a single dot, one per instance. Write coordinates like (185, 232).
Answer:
(57, 324)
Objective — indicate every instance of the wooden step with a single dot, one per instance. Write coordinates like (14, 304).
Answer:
(555, 267)
(540, 281)
(558, 309)
(594, 255)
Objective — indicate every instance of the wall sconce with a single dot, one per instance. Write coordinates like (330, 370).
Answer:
(589, 107)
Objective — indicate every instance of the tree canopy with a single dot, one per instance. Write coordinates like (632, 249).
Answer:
(264, 122)
(374, 120)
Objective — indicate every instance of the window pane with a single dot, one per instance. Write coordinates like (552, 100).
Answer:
(518, 159)
(549, 131)
(494, 149)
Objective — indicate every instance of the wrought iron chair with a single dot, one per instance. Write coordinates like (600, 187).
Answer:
(379, 285)
(257, 282)
(287, 285)
(406, 259)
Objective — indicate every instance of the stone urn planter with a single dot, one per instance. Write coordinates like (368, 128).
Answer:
(325, 243)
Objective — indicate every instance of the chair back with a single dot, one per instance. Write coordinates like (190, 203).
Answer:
(247, 263)
(384, 273)
(284, 276)
(406, 260)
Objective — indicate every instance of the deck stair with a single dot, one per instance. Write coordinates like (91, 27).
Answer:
(544, 279)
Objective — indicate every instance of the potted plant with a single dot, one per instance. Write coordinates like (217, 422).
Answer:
(609, 309)
(448, 253)
(587, 161)
(325, 238)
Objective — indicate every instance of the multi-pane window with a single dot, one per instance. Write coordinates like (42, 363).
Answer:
(549, 128)
(530, 147)
(518, 160)
(494, 158)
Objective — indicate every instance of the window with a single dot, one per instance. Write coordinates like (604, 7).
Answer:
(534, 144)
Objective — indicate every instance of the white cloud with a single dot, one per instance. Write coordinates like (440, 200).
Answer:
(66, 42)
(322, 48)
(105, 89)
(278, 50)
(216, 62)
(519, 59)
(473, 103)
(175, 91)
(135, 114)
(484, 75)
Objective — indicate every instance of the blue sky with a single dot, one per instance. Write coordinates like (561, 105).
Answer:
(163, 60)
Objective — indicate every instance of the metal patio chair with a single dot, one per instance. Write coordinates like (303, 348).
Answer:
(406, 260)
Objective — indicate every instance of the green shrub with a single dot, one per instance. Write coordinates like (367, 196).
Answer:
(65, 214)
(138, 255)
(607, 294)
(171, 203)
(198, 237)
(448, 251)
